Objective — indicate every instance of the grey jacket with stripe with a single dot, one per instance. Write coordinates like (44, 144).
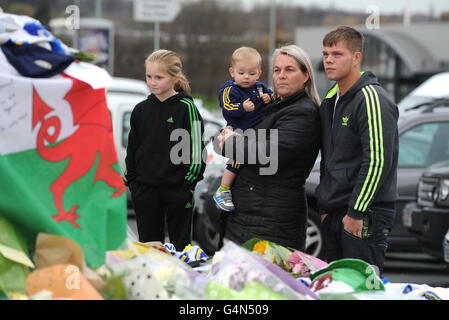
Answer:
(359, 151)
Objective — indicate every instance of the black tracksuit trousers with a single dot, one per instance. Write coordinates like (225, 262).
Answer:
(155, 205)
(339, 244)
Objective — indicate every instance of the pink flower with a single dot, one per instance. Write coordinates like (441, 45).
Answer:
(297, 265)
(295, 259)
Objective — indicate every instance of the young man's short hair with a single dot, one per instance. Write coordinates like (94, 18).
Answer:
(247, 54)
(353, 38)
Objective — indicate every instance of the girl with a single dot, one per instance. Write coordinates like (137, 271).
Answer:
(161, 187)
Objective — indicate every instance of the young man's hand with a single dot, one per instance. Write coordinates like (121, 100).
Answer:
(353, 226)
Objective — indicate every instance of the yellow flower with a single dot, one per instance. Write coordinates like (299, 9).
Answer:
(260, 247)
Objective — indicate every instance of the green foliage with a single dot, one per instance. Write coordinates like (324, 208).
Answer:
(84, 56)
(12, 274)
(114, 288)
(43, 12)
(209, 103)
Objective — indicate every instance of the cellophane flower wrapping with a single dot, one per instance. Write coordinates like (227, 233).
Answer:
(297, 263)
(239, 268)
(270, 251)
(173, 279)
(302, 264)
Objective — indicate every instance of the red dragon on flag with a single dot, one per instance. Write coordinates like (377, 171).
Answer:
(93, 137)
(59, 168)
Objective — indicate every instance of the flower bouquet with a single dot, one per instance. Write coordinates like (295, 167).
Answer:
(155, 275)
(296, 263)
(241, 270)
(270, 251)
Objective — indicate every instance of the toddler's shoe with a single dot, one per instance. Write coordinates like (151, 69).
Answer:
(223, 200)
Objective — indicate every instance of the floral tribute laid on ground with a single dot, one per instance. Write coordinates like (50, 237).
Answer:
(257, 270)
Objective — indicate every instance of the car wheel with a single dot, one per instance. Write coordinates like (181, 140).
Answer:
(205, 234)
(314, 236)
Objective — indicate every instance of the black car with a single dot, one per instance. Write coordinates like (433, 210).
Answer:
(428, 219)
(423, 141)
(446, 247)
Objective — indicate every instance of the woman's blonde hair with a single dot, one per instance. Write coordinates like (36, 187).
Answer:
(173, 67)
(306, 66)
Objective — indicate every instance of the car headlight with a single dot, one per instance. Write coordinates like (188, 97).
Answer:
(443, 193)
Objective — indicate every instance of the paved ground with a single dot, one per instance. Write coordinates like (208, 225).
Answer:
(418, 268)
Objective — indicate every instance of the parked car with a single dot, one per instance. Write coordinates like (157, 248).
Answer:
(423, 141)
(206, 219)
(430, 90)
(446, 247)
(122, 97)
(428, 218)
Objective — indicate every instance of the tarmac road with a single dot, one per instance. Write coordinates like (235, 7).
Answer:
(417, 268)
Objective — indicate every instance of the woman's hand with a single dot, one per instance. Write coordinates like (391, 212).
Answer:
(224, 134)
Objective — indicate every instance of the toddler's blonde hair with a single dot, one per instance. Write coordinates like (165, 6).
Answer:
(246, 54)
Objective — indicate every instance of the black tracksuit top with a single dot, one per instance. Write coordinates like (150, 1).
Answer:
(359, 153)
(151, 155)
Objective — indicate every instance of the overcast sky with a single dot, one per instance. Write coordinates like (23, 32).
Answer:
(385, 6)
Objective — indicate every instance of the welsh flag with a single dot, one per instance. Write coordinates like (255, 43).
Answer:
(59, 170)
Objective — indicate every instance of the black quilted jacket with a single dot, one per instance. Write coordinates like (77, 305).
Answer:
(271, 204)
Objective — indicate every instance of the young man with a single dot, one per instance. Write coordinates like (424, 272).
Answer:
(358, 182)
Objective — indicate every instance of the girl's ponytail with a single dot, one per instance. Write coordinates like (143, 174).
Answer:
(182, 84)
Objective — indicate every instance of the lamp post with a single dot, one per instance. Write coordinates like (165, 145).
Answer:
(272, 38)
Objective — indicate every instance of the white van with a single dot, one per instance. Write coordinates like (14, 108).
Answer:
(436, 87)
(123, 96)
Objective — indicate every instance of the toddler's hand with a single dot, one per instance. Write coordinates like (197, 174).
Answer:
(266, 98)
(248, 105)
